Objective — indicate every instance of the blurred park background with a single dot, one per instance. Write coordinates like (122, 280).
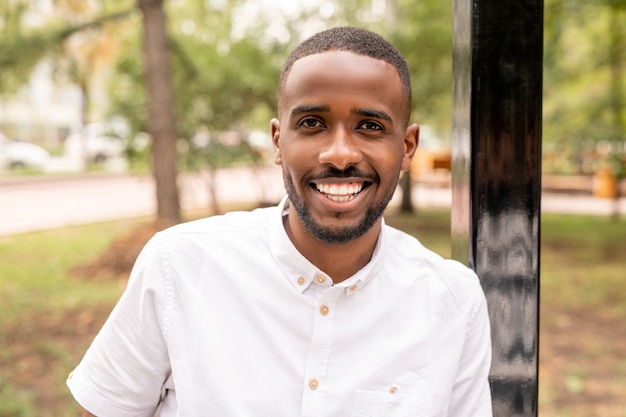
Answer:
(78, 99)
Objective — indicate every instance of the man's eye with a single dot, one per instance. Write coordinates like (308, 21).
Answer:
(371, 126)
(311, 123)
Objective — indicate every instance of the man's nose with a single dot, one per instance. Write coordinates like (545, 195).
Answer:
(341, 150)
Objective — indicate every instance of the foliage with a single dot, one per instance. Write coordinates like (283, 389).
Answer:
(584, 76)
(225, 73)
(226, 62)
(617, 165)
(22, 48)
(423, 33)
(222, 83)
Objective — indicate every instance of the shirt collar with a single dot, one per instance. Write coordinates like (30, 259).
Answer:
(301, 273)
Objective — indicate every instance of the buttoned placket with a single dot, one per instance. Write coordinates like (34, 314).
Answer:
(319, 352)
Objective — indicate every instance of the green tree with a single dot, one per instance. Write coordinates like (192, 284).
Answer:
(422, 30)
(23, 47)
(161, 116)
(220, 80)
(584, 70)
(224, 81)
(224, 73)
(89, 52)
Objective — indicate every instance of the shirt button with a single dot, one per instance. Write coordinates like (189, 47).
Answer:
(393, 390)
(321, 279)
(353, 288)
(324, 310)
(301, 281)
(313, 384)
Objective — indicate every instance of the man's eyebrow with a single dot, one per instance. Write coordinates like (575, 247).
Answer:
(376, 114)
(308, 109)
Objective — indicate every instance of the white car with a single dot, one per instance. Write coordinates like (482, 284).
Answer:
(94, 143)
(18, 154)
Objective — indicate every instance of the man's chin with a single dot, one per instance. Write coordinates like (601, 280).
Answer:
(333, 230)
(336, 233)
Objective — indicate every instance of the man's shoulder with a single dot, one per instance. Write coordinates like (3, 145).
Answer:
(421, 262)
(229, 222)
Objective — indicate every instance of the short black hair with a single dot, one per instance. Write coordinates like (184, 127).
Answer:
(356, 40)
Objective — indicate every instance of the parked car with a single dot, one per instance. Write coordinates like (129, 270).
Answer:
(95, 143)
(18, 154)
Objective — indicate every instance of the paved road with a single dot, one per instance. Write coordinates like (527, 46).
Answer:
(28, 204)
(31, 205)
(38, 204)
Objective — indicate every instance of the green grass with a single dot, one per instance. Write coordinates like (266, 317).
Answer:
(48, 316)
(583, 262)
(583, 258)
(34, 269)
(38, 294)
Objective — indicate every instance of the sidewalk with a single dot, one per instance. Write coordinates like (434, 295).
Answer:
(580, 204)
(564, 195)
(551, 202)
(32, 204)
(266, 185)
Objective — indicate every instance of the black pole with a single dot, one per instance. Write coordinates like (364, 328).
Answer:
(496, 177)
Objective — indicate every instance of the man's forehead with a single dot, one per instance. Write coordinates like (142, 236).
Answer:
(337, 64)
(332, 65)
(337, 57)
(325, 68)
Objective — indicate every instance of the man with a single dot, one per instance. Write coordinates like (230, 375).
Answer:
(314, 307)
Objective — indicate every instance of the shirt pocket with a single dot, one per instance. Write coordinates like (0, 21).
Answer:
(388, 404)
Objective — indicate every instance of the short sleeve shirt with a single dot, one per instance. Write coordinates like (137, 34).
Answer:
(224, 317)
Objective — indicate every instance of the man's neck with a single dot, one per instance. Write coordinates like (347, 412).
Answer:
(339, 261)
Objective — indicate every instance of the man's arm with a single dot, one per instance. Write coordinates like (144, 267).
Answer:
(471, 396)
(123, 370)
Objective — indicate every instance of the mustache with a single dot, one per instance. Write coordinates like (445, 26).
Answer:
(350, 172)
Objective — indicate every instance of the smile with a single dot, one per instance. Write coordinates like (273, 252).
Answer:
(340, 192)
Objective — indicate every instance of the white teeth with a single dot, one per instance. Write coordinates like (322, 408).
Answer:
(341, 199)
(340, 192)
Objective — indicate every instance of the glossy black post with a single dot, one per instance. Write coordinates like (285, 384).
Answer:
(496, 158)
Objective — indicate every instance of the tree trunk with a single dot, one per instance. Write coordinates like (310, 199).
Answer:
(406, 204)
(85, 108)
(161, 119)
(617, 63)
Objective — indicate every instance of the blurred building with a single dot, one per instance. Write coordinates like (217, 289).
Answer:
(44, 111)
(48, 108)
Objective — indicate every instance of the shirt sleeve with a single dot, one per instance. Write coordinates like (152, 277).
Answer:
(471, 396)
(122, 372)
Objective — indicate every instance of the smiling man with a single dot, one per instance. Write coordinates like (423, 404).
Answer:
(342, 139)
(314, 307)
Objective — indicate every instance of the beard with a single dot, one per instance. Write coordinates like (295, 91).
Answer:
(335, 235)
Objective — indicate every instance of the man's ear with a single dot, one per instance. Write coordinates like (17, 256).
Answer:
(411, 140)
(275, 130)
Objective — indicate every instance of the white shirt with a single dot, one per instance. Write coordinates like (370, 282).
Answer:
(227, 318)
